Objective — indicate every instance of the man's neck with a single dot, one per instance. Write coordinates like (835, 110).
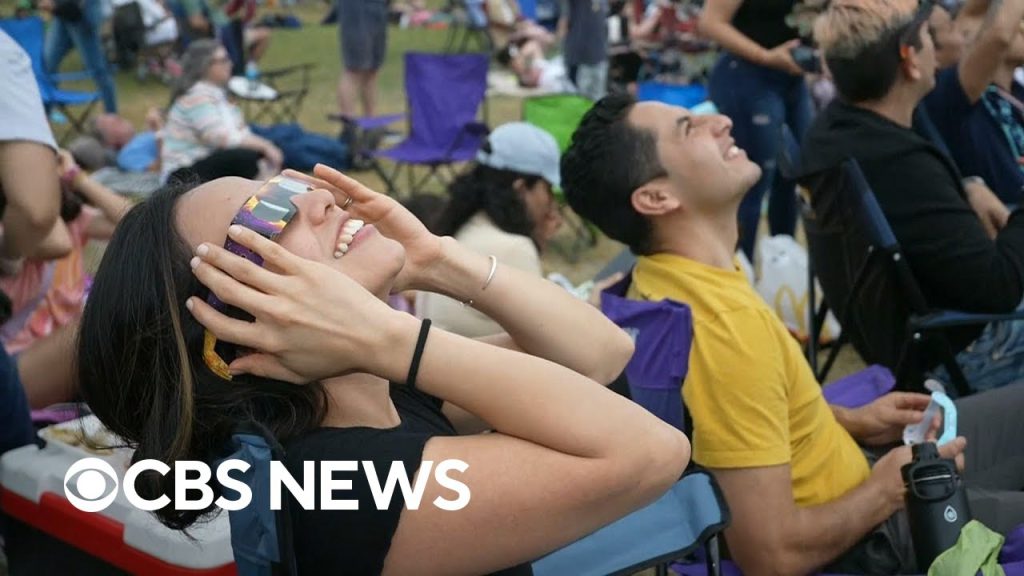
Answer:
(897, 106)
(708, 240)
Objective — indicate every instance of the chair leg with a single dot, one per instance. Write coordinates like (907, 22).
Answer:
(813, 330)
(661, 569)
(714, 563)
(77, 121)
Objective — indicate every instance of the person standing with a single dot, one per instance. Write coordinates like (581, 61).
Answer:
(585, 31)
(759, 86)
(362, 31)
(76, 23)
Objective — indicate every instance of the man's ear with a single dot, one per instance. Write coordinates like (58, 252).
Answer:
(654, 199)
(910, 62)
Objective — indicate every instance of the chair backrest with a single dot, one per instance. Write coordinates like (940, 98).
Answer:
(29, 33)
(261, 538)
(858, 262)
(662, 333)
(444, 94)
(672, 527)
(558, 114)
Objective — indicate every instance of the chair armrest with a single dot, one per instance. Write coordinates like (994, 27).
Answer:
(278, 72)
(940, 319)
(367, 123)
(691, 512)
(470, 129)
(59, 77)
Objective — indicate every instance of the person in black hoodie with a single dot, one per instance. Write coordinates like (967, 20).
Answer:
(882, 59)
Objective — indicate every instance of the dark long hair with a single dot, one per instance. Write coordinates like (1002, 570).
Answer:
(491, 191)
(140, 364)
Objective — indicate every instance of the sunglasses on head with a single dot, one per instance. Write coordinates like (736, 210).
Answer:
(267, 213)
(909, 37)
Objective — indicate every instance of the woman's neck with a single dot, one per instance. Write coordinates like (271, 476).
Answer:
(359, 400)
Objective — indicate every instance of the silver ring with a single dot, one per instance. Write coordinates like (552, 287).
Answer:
(347, 202)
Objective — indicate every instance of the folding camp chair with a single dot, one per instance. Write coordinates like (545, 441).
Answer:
(467, 24)
(277, 95)
(858, 216)
(75, 105)
(559, 115)
(444, 93)
(791, 166)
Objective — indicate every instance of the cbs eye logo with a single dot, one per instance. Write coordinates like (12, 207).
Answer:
(90, 484)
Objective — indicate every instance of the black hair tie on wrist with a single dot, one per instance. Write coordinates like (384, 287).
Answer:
(418, 354)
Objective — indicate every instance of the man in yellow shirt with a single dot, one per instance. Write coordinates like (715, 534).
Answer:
(802, 493)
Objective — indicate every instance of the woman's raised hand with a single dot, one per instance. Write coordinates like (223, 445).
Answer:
(311, 321)
(423, 249)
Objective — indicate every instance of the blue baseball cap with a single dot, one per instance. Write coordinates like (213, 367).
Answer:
(525, 148)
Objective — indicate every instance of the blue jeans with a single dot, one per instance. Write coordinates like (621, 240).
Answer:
(15, 419)
(759, 101)
(994, 360)
(84, 35)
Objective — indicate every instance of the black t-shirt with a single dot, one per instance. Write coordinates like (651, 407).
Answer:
(764, 21)
(355, 542)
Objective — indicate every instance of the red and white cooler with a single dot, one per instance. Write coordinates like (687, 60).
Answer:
(46, 533)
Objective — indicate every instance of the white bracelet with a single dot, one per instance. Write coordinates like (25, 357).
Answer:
(490, 276)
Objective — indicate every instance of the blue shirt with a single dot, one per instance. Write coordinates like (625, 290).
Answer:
(975, 137)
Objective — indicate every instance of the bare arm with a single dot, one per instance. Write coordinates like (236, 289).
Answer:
(550, 474)
(56, 244)
(111, 205)
(985, 55)
(28, 178)
(716, 23)
(806, 539)
(540, 318)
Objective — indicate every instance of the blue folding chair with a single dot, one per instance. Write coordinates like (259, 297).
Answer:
(857, 215)
(29, 33)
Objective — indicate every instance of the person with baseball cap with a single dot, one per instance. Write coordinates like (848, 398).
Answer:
(503, 206)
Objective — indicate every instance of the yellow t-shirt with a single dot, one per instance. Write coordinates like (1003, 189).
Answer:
(753, 399)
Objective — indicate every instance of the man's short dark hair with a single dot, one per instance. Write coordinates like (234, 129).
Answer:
(608, 159)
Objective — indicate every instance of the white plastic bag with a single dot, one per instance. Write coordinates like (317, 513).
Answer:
(782, 282)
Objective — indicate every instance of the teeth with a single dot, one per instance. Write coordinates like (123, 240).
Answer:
(732, 153)
(348, 231)
(352, 226)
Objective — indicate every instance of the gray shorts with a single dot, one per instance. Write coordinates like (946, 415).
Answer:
(363, 29)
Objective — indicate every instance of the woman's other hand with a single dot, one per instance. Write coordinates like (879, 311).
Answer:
(423, 249)
(311, 321)
(781, 58)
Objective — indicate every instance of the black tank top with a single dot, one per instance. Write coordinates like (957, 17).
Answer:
(764, 21)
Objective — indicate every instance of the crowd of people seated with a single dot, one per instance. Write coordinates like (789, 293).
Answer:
(265, 299)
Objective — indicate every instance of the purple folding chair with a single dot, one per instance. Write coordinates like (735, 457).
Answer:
(444, 94)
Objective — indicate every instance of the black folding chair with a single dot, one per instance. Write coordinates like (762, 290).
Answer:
(925, 328)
